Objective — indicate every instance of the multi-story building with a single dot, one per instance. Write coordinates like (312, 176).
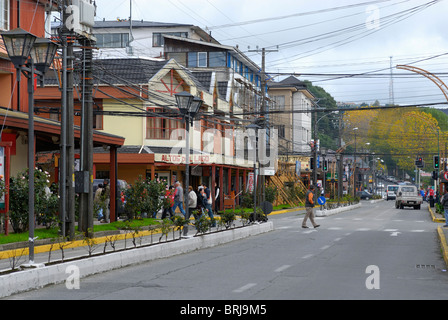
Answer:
(138, 38)
(293, 102)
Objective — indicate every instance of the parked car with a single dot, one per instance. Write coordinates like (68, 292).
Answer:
(391, 192)
(408, 196)
(364, 195)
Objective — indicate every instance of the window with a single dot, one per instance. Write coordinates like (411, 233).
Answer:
(202, 59)
(192, 59)
(161, 128)
(4, 14)
(279, 102)
(158, 40)
(112, 40)
(217, 59)
(197, 59)
(281, 131)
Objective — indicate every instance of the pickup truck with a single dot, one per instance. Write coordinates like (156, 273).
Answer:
(408, 196)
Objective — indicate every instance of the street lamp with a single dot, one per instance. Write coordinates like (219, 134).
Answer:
(18, 43)
(188, 106)
(43, 53)
(30, 56)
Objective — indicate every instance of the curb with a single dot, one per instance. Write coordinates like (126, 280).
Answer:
(325, 213)
(443, 244)
(39, 277)
(434, 219)
(287, 210)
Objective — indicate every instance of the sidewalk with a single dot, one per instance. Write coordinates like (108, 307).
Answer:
(441, 232)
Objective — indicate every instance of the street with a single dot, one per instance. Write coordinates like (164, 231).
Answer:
(374, 252)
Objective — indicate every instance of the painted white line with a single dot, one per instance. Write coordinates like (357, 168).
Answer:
(363, 229)
(244, 288)
(325, 247)
(390, 230)
(417, 230)
(394, 234)
(307, 256)
(282, 268)
(337, 239)
(334, 228)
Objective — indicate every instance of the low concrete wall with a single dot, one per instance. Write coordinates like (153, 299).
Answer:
(324, 213)
(39, 277)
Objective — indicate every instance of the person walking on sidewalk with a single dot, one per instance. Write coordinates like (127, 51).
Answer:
(444, 203)
(178, 198)
(309, 206)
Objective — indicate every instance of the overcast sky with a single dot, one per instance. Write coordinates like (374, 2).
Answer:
(322, 37)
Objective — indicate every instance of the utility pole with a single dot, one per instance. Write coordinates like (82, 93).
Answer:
(66, 178)
(85, 175)
(263, 113)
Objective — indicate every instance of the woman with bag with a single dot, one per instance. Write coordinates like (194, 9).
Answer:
(168, 203)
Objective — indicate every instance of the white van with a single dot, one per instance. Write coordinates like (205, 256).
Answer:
(391, 192)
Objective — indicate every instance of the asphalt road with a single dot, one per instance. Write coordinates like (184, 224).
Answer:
(374, 252)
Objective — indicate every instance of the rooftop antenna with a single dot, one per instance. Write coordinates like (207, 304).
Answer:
(131, 36)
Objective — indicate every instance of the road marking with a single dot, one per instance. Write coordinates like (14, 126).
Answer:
(282, 268)
(310, 231)
(337, 239)
(363, 229)
(307, 256)
(390, 230)
(325, 247)
(244, 288)
(417, 230)
(394, 234)
(334, 228)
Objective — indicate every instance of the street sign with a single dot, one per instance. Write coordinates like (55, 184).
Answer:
(321, 200)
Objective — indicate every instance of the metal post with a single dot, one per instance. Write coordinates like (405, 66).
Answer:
(187, 170)
(31, 161)
(63, 142)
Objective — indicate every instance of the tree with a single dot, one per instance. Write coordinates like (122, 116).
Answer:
(144, 196)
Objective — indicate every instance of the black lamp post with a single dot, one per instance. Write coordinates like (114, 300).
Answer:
(188, 106)
(30, 56)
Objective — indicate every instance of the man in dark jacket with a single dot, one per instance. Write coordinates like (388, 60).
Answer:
(309, 207)
(444, 203)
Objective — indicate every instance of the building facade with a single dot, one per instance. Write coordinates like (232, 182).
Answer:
(293, 102)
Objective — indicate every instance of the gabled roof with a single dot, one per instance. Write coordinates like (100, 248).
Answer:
(291, 81)
(122, 71)
(129, 71)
